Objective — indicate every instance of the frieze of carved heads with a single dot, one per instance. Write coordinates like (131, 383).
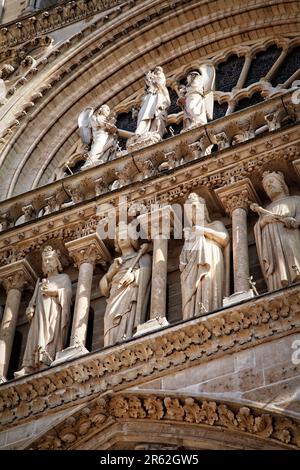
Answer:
(231, 330)
(100, 413)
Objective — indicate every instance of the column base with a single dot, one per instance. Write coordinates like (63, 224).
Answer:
(69, 353)
(238, 297)
(151, 325)
(2, 379)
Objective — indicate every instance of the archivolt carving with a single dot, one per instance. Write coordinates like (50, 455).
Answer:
(192, 342)
(98, 414)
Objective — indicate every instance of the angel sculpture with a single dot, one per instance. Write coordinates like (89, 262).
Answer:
(99, 133)
(197, 98)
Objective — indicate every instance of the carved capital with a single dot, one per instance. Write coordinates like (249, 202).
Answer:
(88, 249)
(237, 195)
(16, 275)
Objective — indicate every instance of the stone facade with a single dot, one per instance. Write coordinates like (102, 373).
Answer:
(227, 379)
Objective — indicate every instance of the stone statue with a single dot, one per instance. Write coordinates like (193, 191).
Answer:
(127, 287)
(152, 116)
(277, 233)
(197, 98)
(49, 314)
(99, 132)
(204, 261)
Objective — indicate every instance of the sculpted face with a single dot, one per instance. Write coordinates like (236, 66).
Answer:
(50, 263)
(273, 186)
(104, 110)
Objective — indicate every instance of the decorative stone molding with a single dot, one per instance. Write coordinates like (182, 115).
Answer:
(237, 195)
(88, 249)
(130, 170)
(17, 274)
(99, 414)
(168, 187)
(196, 341)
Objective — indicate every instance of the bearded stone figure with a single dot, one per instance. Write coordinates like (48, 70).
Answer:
(49, 315)
(127, 287)
(277, 233)
(204, 260)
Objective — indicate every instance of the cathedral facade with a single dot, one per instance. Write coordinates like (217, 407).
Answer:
(149, 224)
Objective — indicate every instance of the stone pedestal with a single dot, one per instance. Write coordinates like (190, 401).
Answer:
(85, 251)
(14, 277)
(235, 199)
(69, 353)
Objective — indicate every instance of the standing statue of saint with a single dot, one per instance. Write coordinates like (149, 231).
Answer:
(127, 287)
(152, 116)
(49, 315)
(204, 261)
(99, 133)
(277, 233)
(197, 98)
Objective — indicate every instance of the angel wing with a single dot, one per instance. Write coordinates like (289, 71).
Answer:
(209, 77)
(84, 125)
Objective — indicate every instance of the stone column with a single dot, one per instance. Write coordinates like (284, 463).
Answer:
(14, 277)
(235, 199)
(85, 251)
(158, 225)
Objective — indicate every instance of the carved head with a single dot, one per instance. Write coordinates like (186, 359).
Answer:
(123, 240)
(50, 260)
(193, 75)
(199, 203)
(274, 184)
(104, 110)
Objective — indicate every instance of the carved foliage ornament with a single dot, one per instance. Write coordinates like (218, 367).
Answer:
(196, 341)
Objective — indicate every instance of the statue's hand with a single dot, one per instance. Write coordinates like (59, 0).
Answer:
(267, 219)
(127, 279)
(29, 313)
(290, 222)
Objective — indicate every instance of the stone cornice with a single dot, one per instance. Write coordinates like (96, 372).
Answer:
(168, 350)
(97, 415)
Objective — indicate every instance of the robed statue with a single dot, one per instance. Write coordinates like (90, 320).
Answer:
(277, 233)
(197, 97)
(127, 287)
(49, 315)
(204, 260)
(153, 113)
(99, 133)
